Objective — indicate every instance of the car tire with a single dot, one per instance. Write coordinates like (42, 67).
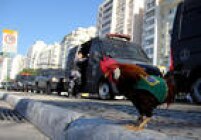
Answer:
(196, 91)
(104, 91)
(48, 89)
(37, 88)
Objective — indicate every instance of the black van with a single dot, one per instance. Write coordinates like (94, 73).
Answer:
(121, 50)
(186, 48)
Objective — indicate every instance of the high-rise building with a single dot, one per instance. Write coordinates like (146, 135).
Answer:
(75, 38)
(50, 57)
(18, 64)
(122, 17)
(43, 56)
(6, 68)
(33, 54)
(158, 22)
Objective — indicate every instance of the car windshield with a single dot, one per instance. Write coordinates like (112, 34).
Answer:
(25, 77)
(124, 50)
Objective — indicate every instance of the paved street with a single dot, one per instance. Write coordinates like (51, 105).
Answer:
(15, 127)
(179, 119)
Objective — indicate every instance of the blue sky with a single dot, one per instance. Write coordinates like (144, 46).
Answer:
(47, 20)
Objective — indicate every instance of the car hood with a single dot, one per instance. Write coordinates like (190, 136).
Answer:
(150, 69)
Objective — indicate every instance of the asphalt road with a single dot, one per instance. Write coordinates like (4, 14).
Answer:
(15, 127)
(179, 119)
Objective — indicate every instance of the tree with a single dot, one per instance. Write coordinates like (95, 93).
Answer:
(29, 71)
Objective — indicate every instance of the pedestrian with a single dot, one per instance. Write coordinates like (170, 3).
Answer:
(78, 74)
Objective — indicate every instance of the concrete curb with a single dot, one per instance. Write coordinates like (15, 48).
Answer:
(64, 124)
(51, 120)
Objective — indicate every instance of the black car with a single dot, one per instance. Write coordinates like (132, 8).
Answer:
(24, 82)
(186, 49)
(49, 80)
(120, 50)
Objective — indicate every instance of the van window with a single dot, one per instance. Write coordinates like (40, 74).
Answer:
(191, 21)
(125, 50)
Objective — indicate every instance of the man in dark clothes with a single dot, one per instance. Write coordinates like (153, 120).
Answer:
(81, 64)
(78, 74)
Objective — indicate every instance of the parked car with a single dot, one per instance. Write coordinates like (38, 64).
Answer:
(10, 85)
(24, 82)
(49, 80)
(186, 49)
(121, 50)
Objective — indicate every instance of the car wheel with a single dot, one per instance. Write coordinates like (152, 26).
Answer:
(104, 91)
(196, 91)
(37, 88)
(48, 89)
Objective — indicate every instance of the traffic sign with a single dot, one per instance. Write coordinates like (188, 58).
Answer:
(9, 41)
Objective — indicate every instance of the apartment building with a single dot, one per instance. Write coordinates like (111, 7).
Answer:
(75, 38)
(157, 26)
(18, 64)
(6, 68)
(43, 56)
(50, 57)
(33, 54)
(122, 17)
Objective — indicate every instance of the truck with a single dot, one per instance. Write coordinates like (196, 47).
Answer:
(185, 58)
(114, 45)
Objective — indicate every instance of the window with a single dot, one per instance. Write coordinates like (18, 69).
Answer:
(149, 22)
(149, 41)
(150, 4)
(149, 51)
(171, 11)
(106, 23)
(108, 3)
(149, 32)
(149, 14)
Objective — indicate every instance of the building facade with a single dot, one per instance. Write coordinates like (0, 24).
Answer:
(34, 53)
(49, 58)
(158, 23)
(43, 56)
(122, 17)
(75, 38)
(18, 64)
(6, 69)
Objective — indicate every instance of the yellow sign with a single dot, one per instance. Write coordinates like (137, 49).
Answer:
(9, 31)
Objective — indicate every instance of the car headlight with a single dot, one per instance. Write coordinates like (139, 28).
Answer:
(64, 80)
(55, 79)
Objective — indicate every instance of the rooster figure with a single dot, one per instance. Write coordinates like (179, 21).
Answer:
(145, 91)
